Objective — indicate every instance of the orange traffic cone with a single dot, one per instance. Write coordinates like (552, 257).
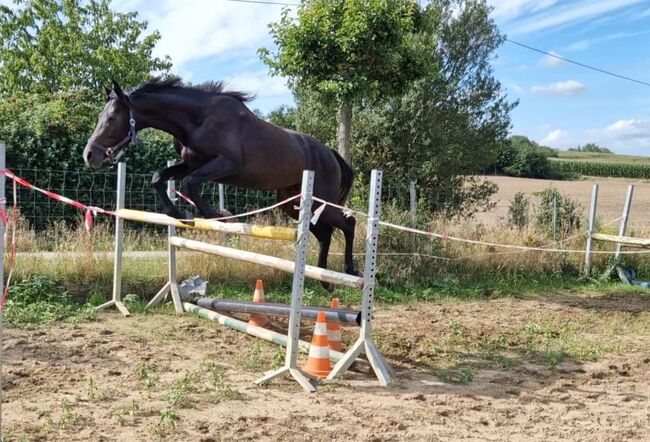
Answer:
(258, 296)
(334, 330)
(318, 363)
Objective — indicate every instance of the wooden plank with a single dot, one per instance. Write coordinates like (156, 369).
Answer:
(268, 232)
(623, 240)
(271, 261)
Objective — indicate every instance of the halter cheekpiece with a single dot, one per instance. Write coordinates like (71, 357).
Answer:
(114, 153)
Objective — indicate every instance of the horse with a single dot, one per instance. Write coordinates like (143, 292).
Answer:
(219, 139)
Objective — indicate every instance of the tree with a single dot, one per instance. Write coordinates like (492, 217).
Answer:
(450, 123)
(347, 50)
(56, 45)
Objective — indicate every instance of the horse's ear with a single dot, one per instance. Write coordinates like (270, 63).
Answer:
(118, 90)
(108, 93)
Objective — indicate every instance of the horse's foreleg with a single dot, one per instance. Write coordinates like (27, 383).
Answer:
(215, 169)
(323, 233)
(159, 182)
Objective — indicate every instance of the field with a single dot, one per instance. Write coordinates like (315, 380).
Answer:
(611, 197)
(599, 164)
(568, 366)
(603, 157)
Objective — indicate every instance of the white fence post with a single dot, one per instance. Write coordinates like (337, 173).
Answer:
(554, 217)
(626, 214)
(222, 199)
(119, 239)
(592, 222)
(414, 205)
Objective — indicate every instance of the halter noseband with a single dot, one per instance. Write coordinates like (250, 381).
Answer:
(113, 154)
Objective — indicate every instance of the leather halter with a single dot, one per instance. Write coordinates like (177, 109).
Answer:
(114, 153)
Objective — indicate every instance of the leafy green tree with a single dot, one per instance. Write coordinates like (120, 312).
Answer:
(56, 45)
(345, 51)
(529, 163)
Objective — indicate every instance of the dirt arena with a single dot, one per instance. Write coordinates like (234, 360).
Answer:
(563, 367)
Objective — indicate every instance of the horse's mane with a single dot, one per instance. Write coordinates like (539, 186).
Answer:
(159, 84)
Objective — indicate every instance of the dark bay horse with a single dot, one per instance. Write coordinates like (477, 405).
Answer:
(220, 139)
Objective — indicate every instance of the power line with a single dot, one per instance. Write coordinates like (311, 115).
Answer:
(602, 71)
(261, 2)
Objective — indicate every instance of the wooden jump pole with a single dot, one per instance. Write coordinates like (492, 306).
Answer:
(119, 238)
(630, 241)
(365, 343)
(267, 232)
(253, 330)
(623, 226)
(285, 265)
(590, 232)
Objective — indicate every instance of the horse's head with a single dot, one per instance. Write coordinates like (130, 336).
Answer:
(114, 132)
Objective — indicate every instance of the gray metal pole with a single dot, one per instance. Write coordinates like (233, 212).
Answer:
(592, 222)
(3, 229)
(626, 214)
(297, 290)
(119, 239)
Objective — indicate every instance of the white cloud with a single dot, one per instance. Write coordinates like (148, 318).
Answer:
(625, 136)
(259, 83)
(197, 29)
(584, 44)
(569, 87)
(549, 61)
(516, 88)
(569, 12)
(508, 9)
(555, 138)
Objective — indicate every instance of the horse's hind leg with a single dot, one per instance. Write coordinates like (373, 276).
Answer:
(335, 218)
(159, 182)
(323, 233)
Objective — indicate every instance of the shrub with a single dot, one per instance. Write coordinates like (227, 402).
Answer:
(518, 211)
(569, 212)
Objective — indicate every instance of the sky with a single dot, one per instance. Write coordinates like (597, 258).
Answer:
(560, 105)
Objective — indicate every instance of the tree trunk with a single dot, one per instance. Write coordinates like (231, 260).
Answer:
(345, 124)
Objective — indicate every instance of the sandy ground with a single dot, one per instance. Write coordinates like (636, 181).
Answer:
(148, 378)
(611, 197)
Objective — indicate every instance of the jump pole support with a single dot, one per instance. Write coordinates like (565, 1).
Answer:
(365, 343)
(119, 240)
(592, 222)
(626, 215)
(172, 285)
(297, 290)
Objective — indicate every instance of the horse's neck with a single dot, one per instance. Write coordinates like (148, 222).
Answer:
(169, 113)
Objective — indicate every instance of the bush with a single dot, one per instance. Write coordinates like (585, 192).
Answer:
(569, 213)
(518, 211)
(530, 162)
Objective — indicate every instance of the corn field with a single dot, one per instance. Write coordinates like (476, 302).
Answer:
(619, 170)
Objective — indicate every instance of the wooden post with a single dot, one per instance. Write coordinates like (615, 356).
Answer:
(119, 238)
(3, 229)
(365, 342)
(554, 216)
(590, 232)
(297, 290)
(172, 283)
(623, 226)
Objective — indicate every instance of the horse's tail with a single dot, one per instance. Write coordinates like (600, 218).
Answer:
(347, 177)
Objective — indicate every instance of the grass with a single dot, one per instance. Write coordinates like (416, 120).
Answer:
(602, 157)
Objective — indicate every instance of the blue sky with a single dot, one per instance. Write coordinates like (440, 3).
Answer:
(561, 105)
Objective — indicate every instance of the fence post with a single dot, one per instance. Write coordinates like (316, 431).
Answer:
(222, 200)
(623, 226)
(119, 238)
(592, 221)
(554, 216)
(414, 205)
(3, 229)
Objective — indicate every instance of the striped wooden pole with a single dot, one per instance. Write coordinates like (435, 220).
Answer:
(268, 232)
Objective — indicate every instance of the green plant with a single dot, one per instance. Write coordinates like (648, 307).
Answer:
(146, 373)
(166, 425)
(568, 216)
(518, 211)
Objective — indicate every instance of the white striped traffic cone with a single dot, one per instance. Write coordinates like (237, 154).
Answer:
(318, 364)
